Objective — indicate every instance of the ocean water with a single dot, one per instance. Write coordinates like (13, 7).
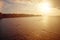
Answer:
(30, 28)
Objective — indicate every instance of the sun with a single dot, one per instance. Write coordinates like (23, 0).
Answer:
(44, 8)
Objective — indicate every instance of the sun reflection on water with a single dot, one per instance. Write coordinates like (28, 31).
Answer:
(45, 22)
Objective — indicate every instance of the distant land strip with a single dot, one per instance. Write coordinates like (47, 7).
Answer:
(2, 15)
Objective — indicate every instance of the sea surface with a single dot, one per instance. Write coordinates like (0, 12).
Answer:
(30, 28)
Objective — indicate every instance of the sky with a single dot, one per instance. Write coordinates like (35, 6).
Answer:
(26, 6)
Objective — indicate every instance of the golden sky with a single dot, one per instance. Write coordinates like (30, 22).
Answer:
(26, 6)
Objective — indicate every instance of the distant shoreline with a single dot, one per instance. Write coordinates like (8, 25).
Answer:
(16, 15)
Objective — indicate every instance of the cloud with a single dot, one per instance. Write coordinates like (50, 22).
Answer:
(16, 7)
(54, 12)
(1, 4)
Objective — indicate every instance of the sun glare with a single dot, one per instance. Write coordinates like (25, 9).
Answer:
(44, 8)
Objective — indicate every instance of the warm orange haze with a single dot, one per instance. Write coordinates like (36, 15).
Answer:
(38, 7)
(29, 19)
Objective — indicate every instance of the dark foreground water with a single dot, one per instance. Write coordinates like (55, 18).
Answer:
(30, 28)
